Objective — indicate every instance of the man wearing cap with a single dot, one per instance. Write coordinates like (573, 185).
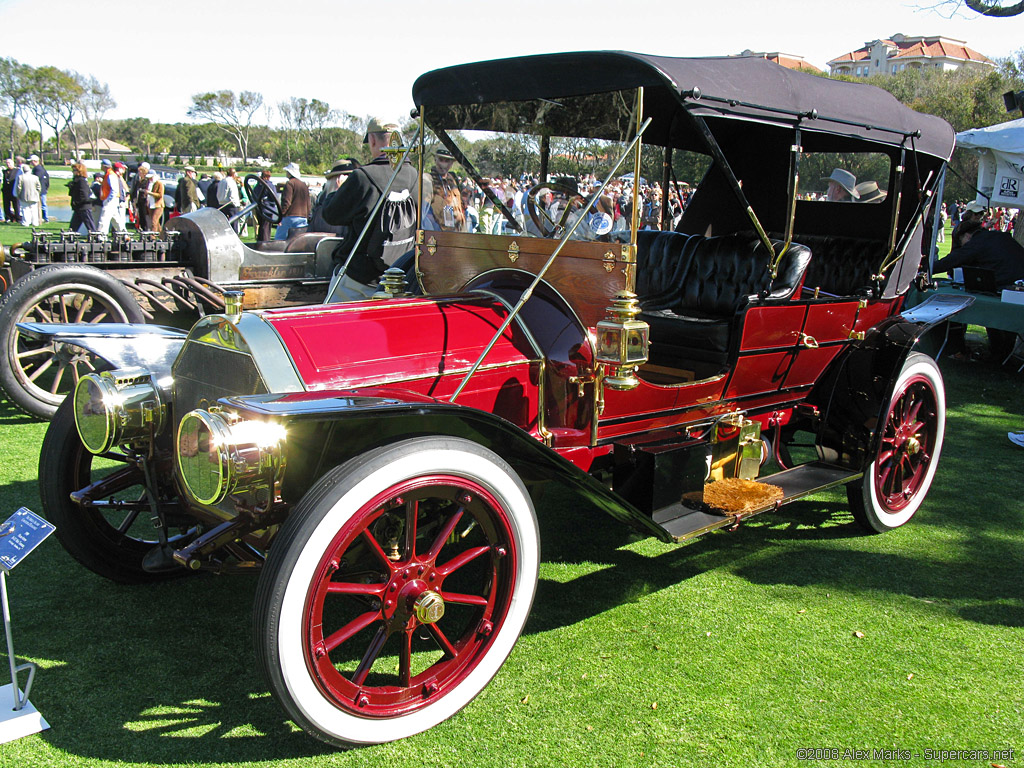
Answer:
(44, 183)
(446, 203)
(974, 211)
(353, 203)
(186, 196)
(335, 178)
(294, 203)
(842, 186)
(114, 194)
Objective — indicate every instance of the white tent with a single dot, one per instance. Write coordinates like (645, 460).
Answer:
(1001, 161)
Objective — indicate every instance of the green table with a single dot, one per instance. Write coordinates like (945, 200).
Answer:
(987, 311)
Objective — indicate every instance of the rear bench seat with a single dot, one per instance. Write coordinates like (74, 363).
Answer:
(691, 289)
(842, 266)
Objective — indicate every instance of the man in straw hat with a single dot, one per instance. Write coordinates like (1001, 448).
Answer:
(868, 192)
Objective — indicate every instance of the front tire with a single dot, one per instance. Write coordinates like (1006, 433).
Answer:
(112, 532)
(897, 480)
(38, 375)
(396, 590)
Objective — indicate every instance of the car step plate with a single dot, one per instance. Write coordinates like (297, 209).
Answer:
(683, 523)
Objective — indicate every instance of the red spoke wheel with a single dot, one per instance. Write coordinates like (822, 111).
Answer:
(396, 590)
(909, 442)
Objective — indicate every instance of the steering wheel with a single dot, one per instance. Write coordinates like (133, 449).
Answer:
(267, 204)
(540, 216)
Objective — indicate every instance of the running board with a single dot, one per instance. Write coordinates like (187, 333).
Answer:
(683, 523)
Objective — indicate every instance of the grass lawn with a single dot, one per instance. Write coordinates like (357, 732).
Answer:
(737, 650)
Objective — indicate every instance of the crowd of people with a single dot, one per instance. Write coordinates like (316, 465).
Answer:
(26, 184)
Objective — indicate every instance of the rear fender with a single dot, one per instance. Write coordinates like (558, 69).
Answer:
(119, 345)
(852, 395)
(327, 428)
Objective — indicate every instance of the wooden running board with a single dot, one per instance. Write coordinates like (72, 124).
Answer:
(683, 523)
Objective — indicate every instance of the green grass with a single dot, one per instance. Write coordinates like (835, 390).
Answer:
(736, 650)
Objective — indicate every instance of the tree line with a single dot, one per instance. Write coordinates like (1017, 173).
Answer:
(70, 109)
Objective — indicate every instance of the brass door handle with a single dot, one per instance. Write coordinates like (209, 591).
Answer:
(808, 341)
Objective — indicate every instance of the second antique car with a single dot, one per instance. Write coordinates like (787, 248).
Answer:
(376, 461)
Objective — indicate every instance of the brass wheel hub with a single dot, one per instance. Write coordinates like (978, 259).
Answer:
(429, 607)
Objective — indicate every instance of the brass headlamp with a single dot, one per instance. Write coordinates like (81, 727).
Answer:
(220, 454)
(622, 341)
(114, 407)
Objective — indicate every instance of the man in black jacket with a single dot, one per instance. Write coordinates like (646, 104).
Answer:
(352, 205)
(991, 249)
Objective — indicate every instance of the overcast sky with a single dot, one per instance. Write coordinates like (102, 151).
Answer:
(156, 54)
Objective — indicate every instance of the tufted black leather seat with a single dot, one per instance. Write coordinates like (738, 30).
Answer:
(842, 266)
(692, 288)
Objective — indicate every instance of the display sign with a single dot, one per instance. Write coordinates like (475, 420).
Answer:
(20, 534)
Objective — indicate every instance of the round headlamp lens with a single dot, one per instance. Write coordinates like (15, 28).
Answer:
(203, 456)
(95, 405)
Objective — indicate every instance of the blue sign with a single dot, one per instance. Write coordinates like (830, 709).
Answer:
(20, 534)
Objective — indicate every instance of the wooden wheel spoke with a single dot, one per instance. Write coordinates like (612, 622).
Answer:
(461, 559)
(353, 588)
(412, 511)
(355, 626)
(460, 599)
(405, 660)
(443, 641)
(128, 520)
(100, 317)
(366, 663)
(41, 369)
(376, 548)
(57, 379)
(47, 350)
(446, 531)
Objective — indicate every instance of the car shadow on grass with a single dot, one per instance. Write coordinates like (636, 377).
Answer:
(159, 673)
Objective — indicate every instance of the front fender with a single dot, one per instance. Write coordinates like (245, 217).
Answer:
(852, 395)
(327, 428)
(119, 345)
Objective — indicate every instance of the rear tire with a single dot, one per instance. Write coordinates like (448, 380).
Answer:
(36, 376)
(897, 480)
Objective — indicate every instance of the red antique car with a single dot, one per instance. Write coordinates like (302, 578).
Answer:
(375, 460)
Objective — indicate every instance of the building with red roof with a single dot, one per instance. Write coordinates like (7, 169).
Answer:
(787, 60)
(899, 52)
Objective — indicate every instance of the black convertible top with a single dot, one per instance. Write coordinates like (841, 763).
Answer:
(736, 87)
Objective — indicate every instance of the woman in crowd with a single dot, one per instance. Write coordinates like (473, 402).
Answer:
(81, 200)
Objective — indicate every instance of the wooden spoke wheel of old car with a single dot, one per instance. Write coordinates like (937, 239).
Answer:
(396, 590)
(37, 375)
(546, 225)
(110, 531)
(898, 478)
(265, 196)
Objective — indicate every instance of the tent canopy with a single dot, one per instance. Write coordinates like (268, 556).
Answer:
(105, 145)
(1001, 162)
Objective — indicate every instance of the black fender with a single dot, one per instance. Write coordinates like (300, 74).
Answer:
(327, 428)
(119, 345)
(853, 393)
